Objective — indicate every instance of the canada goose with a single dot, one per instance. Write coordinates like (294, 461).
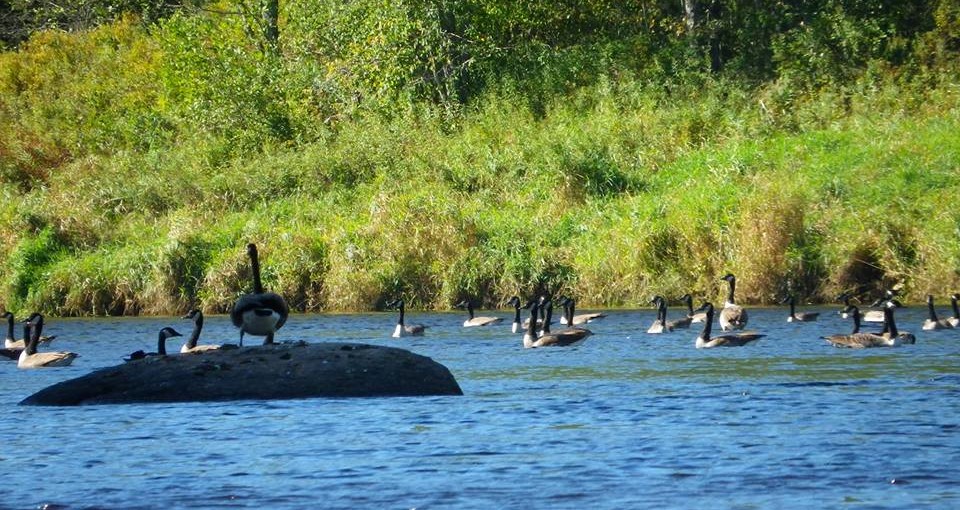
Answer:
(704, 341)
(191, 345)
(878, 315)
(259, 313)
(955, 320)
(30, 358)
(12, 343)
(660, 323)
(14, 353)
(858, 340)
(401, 329)
(526, 322)
(165, 333)
(932, 322)
(687, 299)
(515, 301)
(732, 316)
(476, 321)
(578, 319)
(890, 326)
(798, 317)
(563, 338)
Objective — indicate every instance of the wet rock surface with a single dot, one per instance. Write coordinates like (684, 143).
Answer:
(281, 371)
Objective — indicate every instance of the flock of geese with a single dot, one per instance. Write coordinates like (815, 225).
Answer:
(262, 313)
(732, 319)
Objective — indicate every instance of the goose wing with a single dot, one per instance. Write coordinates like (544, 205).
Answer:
(415, 329)
(737, 340)
(588, 317)
(683, 323)
(856, 340)
(482, 321)
(563, 338)
(47, 359)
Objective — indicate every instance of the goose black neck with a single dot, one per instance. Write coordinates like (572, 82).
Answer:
(532, 327)
(195, 335)
(707, 323)
(731, 288)
(953, 304)
(661, 311)
(29, 340)
(162, 344)
(548, 318)
(856, 321)
(400, 322)
(36, 329)
(689, 301)
(890, 324)
(255, 267)
(516, 316)
(470, 309)
(930, 309)
(570, 312)
(10, 326)
(792, 306)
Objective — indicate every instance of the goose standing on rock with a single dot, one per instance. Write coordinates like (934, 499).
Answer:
(403, 330)
(798, 317)
(955, 320)
(476, 321)
(732, 315)
(660, 323)
(259, 313)
(30, 358)
(577, 319)
(191, 345)
(563, 338)
(165, 333)
(704, 341)
(932, 322)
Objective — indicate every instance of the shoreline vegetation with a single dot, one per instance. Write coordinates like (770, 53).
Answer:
(376, 152)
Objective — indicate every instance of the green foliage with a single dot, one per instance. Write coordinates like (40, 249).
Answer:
(441, 150)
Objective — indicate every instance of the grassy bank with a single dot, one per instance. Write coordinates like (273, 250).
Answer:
(116, 202)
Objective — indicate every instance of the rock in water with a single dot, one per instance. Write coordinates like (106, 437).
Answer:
(279, 371)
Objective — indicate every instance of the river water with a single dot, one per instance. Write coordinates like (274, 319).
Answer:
(626, 420)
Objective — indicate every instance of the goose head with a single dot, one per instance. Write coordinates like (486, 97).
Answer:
(514, 301)
(193, 315)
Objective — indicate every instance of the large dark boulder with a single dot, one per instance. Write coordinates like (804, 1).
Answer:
(281, 371)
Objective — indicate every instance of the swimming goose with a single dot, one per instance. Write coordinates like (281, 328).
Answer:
(932, 322)
(955, 320)
(515, 301)
(476, 321)
(259, 313)
(30, 358)
(578, 319)
(732, 315)
(798, 317)
(165, 333)
(687, 299)
(563, 338)
(660, 323)
(857, 340)
(191, 345)
(14, 353)
(10, 342)
(401, 329)
(878, 315)
(704, 341)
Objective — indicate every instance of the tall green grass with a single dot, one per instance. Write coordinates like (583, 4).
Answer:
(131, 186)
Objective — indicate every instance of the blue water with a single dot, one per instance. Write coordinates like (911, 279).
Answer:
(626, 420)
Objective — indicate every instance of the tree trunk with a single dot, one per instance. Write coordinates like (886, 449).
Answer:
(690, 18)
(271, 32)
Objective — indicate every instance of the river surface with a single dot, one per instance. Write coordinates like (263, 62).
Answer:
(626, 420)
